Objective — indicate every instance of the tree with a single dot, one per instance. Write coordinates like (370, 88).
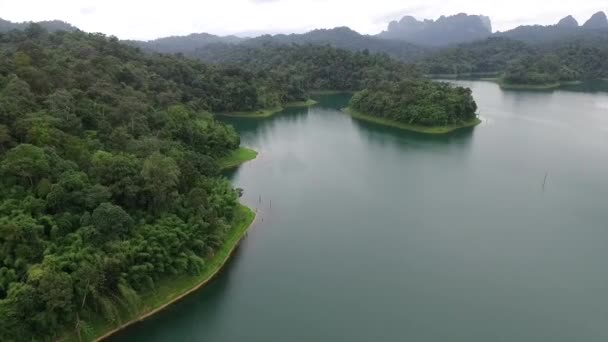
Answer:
(111, 221)
(26, 162)
(161, 175)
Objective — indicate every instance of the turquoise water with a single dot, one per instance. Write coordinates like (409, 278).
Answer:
(496, 233)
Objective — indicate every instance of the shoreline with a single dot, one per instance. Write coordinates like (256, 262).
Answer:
(435, 130)
(238, 157)
(265, 113)
(331, 92)
(241, 232)
(548, 86)
(467, 76)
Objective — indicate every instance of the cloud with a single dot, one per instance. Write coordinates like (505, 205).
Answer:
(145, 19)
(398, 14)
(88, 10)
(264, 1)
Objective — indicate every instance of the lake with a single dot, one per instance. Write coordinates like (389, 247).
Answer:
(495, 233)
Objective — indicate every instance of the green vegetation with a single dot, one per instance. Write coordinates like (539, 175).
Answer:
(265, 113)
(523, 86)
(547, 65)
(300, 70)
(109, 178)
(307, 103)
(169, 290)
(260, 113)
(413, 128)
(238, 157)
(419, 105)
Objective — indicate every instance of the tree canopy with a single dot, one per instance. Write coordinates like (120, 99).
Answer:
(109, 176)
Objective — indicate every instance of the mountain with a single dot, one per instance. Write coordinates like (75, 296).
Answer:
(568, 22)
(345, 38)
(339, 37)
(450, 30)
(597, 21)
(183, 44)
(51, 26)
(566, 29)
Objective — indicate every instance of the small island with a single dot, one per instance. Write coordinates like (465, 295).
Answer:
(544, 73)
(416, 105)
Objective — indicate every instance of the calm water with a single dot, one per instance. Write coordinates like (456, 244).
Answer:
(377, 234)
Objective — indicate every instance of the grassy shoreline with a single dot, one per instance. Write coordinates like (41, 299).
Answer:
(171, 290)
(307, 103)
(467, 76)
(413, 128)
(331, 92)
(548, 86)
(237, 158)
(265, 113)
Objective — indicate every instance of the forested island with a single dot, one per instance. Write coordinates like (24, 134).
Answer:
(422, 106)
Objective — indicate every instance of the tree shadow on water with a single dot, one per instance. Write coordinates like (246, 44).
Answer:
(386, 135)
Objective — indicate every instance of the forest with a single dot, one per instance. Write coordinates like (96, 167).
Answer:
(109, 161)
(299, 69)
(518, 62)
(416, 102)
(109, 175)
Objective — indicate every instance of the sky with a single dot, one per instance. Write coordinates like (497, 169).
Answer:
(149, 19)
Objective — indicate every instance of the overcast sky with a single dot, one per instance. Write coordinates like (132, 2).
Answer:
(137, 19)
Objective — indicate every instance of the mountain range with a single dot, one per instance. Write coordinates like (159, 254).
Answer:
(407, 39)
(460, 28)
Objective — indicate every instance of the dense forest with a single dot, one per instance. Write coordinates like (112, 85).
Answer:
(417, 102)
(299, 69)
(583, 58)
(109, 175)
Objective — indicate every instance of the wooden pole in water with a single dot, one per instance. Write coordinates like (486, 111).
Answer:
(545, 181)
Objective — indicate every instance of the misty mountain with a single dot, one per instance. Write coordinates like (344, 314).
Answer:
(597, 21)
(450, 30)
(345, 38)
(183, 44)
(566, 29)
(51, 26)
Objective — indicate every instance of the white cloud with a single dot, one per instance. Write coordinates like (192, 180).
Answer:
(150, 19)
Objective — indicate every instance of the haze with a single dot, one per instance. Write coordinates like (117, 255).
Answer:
(153, 19)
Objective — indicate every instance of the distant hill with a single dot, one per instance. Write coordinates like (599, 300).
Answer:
(345, 38)
(566, 29)
(339, 37)
(183, 44)
(460, 28)
(51, 26)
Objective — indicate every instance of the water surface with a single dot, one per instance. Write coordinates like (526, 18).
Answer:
(496, 233)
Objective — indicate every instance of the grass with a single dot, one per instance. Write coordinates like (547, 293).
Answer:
(265, 113)
(548, 86)
(262, 113)
(172, 289)
(307, 103)
(237, 157)
(413, 128)
(469, 75)
(330, 92)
